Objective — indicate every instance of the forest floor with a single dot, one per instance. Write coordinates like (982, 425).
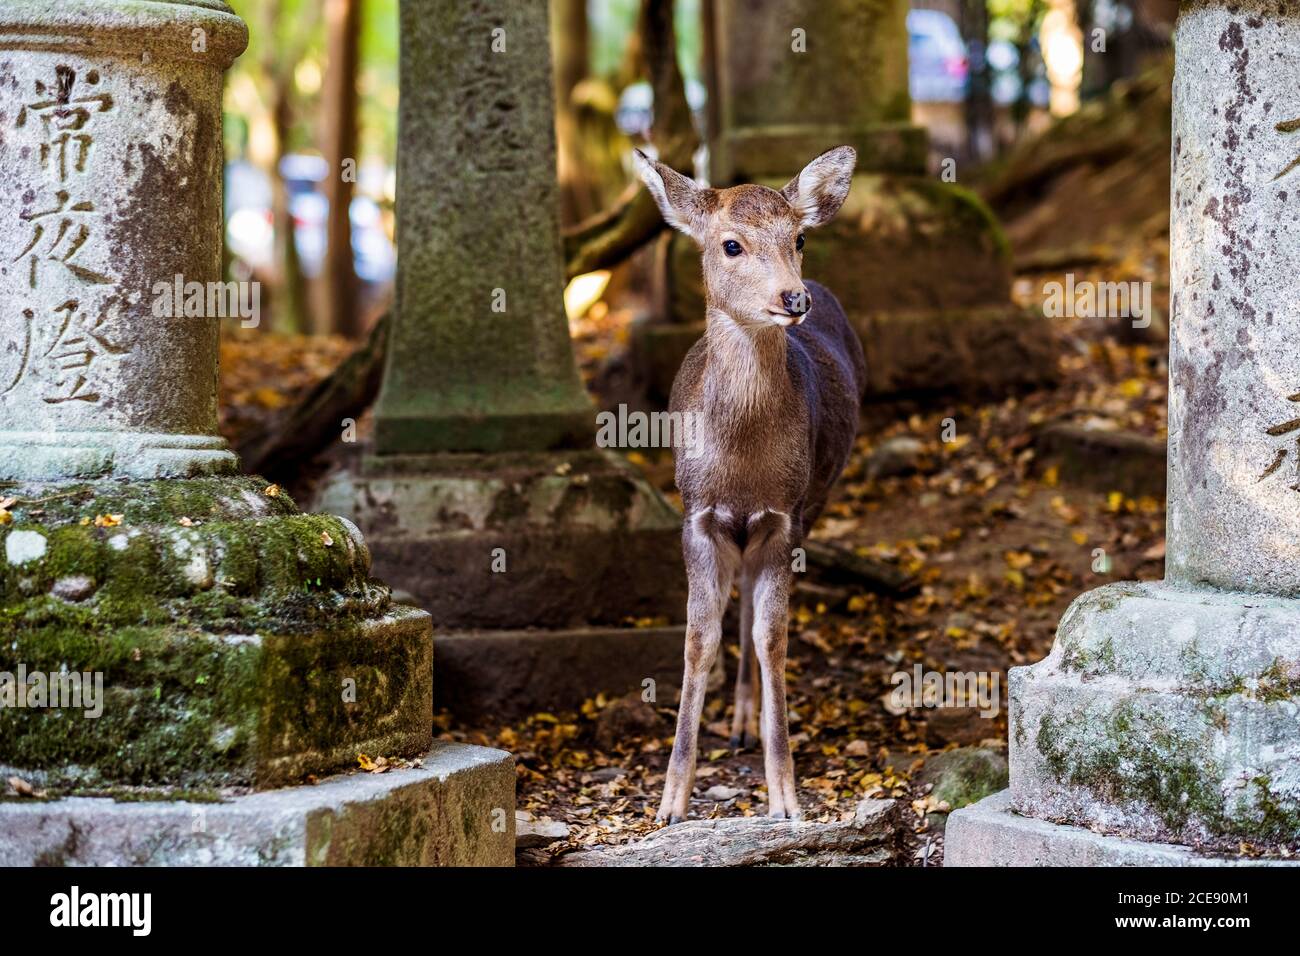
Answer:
(1000, 544)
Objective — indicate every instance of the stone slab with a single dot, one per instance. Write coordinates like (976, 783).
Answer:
(1103, 460)
(458, 809)
(548, 540)
(508, 674)
(990, 833)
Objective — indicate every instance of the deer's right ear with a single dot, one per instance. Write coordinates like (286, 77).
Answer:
(682, 202)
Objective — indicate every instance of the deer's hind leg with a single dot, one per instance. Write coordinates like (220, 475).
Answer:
(712, 558)
(744, 720)
(767, 560)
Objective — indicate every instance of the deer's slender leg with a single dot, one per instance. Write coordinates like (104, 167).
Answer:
(744, 720)
(766, 560)
(711, 562)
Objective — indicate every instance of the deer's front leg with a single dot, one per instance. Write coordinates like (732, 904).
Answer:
(711, 561)
(768, 561)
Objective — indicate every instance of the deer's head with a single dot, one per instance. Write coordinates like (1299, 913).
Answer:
(752, 237)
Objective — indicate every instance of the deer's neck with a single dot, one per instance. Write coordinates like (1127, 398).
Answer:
(746, 371)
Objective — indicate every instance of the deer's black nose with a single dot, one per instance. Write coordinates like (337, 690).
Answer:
(796, 303)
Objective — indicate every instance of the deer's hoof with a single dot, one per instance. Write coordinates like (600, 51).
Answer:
(743, 741)
(669, 820)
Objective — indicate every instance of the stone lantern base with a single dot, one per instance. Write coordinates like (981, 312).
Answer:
(1163, 716)
(183, 645)
(551, 576)
(447, 811)
(990, 833)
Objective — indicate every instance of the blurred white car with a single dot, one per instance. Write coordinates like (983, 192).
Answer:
(251, 238)
(937, 57)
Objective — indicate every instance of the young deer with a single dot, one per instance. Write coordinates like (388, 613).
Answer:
(774, 388)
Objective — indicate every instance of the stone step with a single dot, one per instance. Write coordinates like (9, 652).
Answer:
(990, 833)
(457, 809)
(501, 675)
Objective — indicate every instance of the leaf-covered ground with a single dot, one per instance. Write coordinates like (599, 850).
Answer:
(1001, 545)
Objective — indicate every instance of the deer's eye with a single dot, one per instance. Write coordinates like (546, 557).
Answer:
(732, 248)
(798, 243)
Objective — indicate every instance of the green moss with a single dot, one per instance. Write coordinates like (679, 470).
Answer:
(222, 642)
(965, 776)
(1134, 757)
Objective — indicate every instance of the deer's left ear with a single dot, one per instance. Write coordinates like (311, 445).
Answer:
(817, 193)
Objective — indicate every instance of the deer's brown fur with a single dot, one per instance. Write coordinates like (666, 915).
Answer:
(773, 389)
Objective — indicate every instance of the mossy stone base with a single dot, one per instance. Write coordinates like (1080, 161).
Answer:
(991, 833)
(456, 809)
(239, 642)
(1164, 715)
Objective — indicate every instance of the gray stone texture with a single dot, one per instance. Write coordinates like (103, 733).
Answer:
(1164, 714)
(991, 833)
(518, 540)
(1170, 713)
(458, 809)
(480, 358)
(1234, 371)
(111, 149)
(503, 675)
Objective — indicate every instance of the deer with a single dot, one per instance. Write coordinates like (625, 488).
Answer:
(773, 390)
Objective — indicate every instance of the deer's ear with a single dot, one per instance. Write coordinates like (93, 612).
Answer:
(817, 193)
(683, 203)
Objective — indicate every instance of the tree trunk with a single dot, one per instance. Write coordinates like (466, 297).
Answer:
(289, 294)
(980, 117)
(570, 44)
(340, 312)
(610, 237)
(280, 447)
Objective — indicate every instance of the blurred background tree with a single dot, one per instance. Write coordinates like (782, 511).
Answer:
(311, 122)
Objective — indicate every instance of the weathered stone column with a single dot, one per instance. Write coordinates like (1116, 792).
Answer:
(99, 174)
(164, 624)
(792, 82)
(480, 358)
(1170, 713)
(919, 263)
(483, 495)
